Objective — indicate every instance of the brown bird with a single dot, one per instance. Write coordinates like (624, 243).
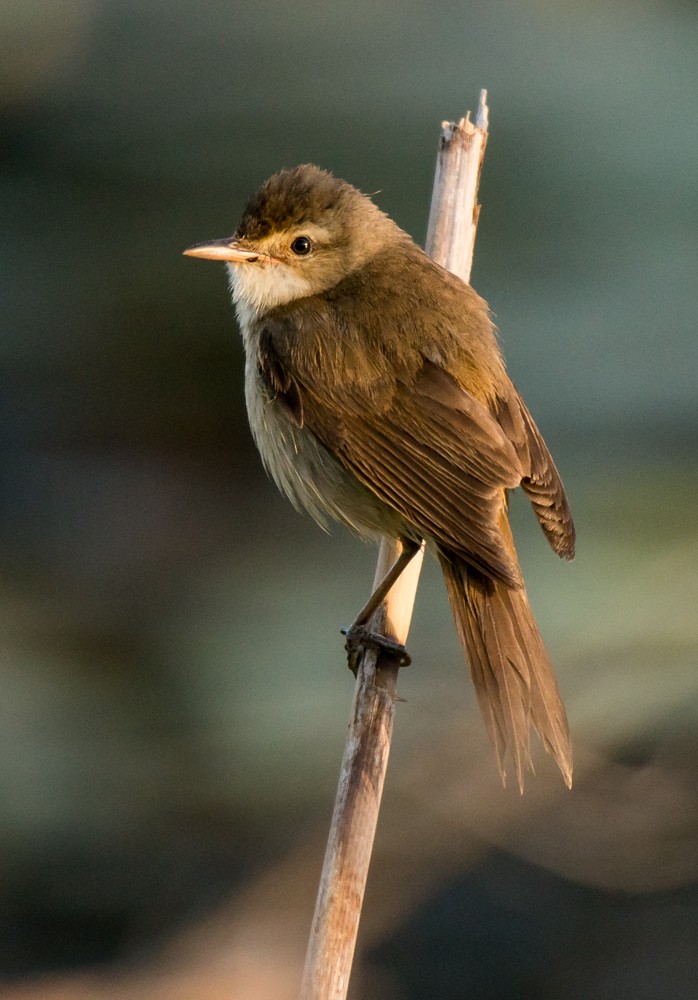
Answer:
(377, 395)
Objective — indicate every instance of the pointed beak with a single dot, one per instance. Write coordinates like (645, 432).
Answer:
(227, 249)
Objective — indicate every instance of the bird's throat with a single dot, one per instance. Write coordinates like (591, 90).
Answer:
(258, 287)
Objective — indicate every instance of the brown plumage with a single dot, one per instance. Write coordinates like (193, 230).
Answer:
(377, 395)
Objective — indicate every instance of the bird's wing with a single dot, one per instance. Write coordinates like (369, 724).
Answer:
(419, 441)
(541, 480)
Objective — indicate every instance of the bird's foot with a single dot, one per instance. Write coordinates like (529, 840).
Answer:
(361, 637)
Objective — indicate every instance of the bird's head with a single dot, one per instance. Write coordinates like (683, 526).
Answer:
(301, 233)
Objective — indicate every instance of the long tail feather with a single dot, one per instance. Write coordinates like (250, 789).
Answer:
(510, 667)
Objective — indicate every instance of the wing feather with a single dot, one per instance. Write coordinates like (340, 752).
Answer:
(419, 442)
(541, 480)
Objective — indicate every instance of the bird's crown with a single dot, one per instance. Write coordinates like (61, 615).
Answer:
(293, 198)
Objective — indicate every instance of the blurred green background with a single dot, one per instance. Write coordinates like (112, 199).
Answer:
(174, 699)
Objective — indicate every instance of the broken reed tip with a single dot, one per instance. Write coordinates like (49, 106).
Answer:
(482, 120)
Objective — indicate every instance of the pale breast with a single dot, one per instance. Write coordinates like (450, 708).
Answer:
(310, 476)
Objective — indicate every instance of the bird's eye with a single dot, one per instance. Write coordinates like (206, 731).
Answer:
(301, 246)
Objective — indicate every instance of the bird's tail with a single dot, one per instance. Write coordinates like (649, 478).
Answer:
(510, 667)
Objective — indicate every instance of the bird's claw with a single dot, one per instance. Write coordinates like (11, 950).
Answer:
(360, 637)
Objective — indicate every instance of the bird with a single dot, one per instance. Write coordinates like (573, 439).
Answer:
(377, 395)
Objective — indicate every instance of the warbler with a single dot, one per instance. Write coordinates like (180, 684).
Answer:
(377, 395)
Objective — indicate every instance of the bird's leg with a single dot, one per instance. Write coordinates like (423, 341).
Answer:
(358, 634)
(409, 551)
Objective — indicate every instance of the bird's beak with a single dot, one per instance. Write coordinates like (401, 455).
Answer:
(227, 249)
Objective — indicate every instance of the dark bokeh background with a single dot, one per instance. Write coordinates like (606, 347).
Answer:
(173, 698)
